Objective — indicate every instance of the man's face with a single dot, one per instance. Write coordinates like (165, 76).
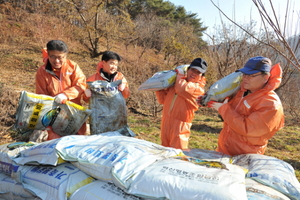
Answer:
(255, 81)
(57, 58)
(193, 75)
(110, 66)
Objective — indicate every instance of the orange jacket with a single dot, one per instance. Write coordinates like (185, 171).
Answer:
(97, 76)
(250, 121)
(180, 100)
(71, 81)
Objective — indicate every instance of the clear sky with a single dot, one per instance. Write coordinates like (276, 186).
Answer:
(240, 10)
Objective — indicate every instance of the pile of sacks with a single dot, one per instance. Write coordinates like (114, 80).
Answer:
(112, 166)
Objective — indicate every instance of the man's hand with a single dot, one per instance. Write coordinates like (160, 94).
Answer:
(199, 99)
(216, 105)
(61, 98)
(88, 92)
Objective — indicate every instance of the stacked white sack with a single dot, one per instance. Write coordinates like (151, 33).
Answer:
(7, 165)
(42, 153)
(271, 172)
(52, 182)
(113, 159)
(177, 179)
(102, 190)
(256, 190)
(11, 189)
(208, 155)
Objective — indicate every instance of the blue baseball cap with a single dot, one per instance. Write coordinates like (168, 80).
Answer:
(257, 64)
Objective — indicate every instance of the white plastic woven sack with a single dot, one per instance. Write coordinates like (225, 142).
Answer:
(258, 191)
(101, 190)
(41, 153)
(52, 182)
(7, 154)
(223, 88)
(11, 189)
(40, 111)
(11, 196)
(162, 79)
(109, 112)
(208, 155)
(112, 158)
(177, 179)
(272, 172)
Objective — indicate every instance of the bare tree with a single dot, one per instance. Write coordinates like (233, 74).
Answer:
(273, 41)
(271, 20)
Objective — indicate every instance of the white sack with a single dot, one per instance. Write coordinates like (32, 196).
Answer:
(258, 191)
(208, 155)
(112, 159)
(11, 189)
(101, 190)
(270, 171)
(223, 88)
(162, 79)
(37, 112)
(177, 180)
(7, 165)
(52, 182)
(41, 153)
(11, 196)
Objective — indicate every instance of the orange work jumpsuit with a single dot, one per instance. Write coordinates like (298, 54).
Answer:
(119, 76)
(179, 105)
(69, 80)
(250, 121)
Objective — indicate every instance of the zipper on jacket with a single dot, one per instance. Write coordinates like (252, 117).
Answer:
(172, 103)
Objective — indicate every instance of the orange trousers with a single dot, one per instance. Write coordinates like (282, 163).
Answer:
(175, 133)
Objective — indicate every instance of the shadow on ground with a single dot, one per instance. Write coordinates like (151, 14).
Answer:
(294, 163)
(205, 128)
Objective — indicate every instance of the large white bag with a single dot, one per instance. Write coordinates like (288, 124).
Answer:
(223, 88)
(52, 182)
(177, 180)
(162, 79)
(271, 172)
(209, 155)
(258, 191)
(11, 189)
(101, 190)
(41, 153)
(112, 158)
(8, 152)
(37, 112)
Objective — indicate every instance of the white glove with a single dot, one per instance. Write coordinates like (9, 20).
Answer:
(88, 92)
(60, 98)
(121, 87)
(216, 105)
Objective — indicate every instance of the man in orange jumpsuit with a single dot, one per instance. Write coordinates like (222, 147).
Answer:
(179, 105)
(107, 71)
(61, 78)
(255, 113)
